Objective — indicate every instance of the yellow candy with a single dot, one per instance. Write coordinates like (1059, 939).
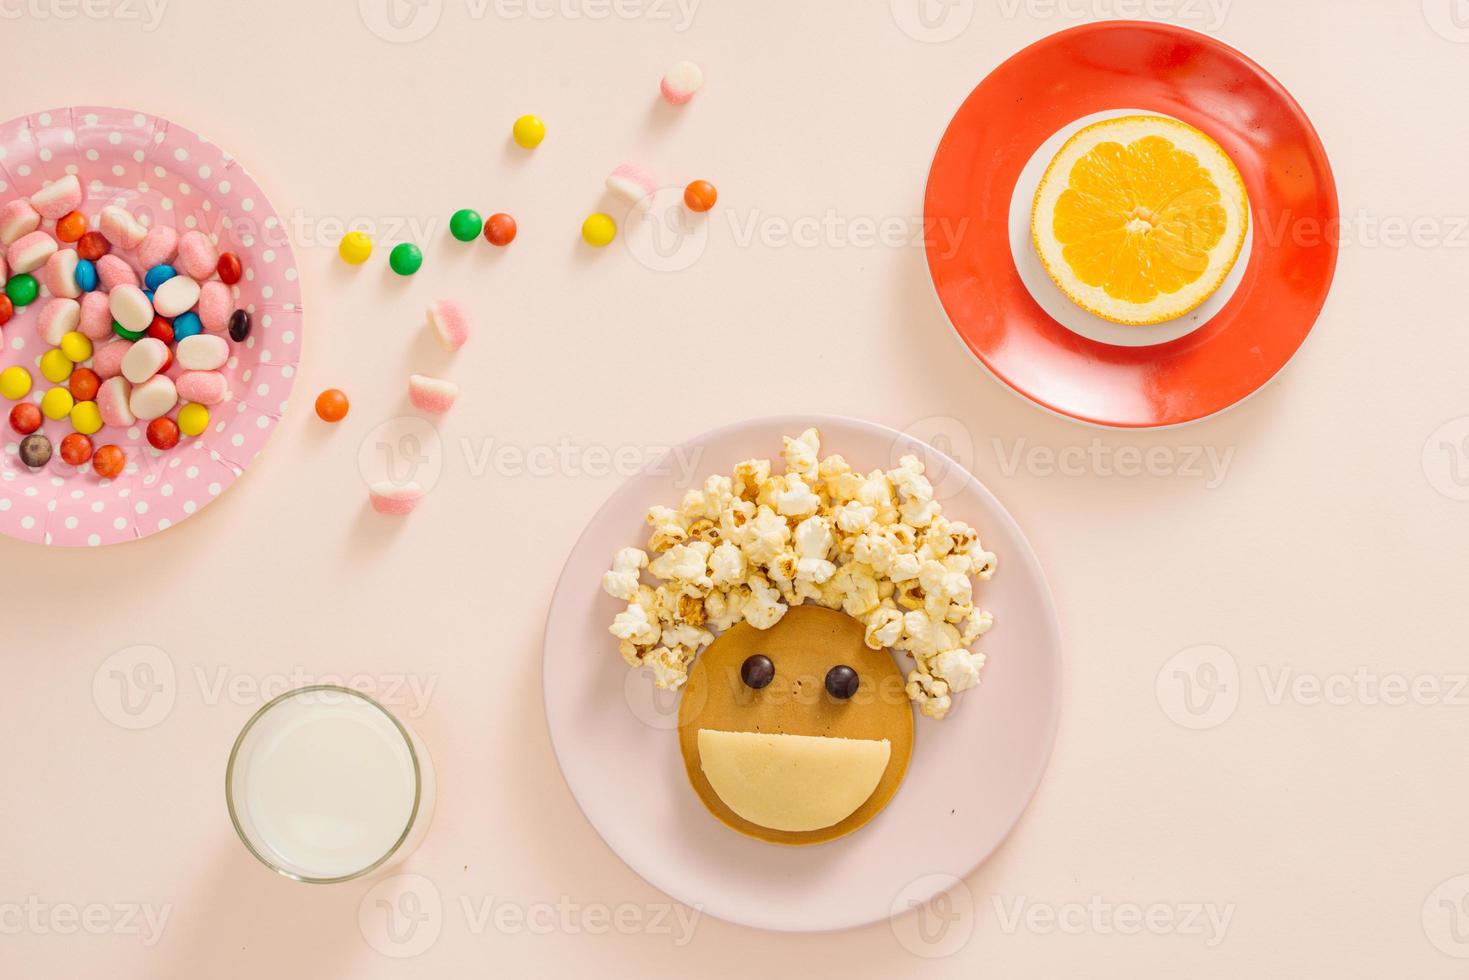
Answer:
(529, 131)
(76, 346)
(193, 419)
(354, 248)
(15, 382)
(85, 417)
(55, 366)
(598, 230)
(56, 403)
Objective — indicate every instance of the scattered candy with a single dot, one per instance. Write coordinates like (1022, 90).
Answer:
(193, 419)
(125, 333)
(108, 461)
(681, 82)
(130, 308)
(29, 252)
(332, 405)
(145, 359)
(405, 258)
(114, 272)
(229, 268)
(160, 329)
(120, 228)
(176, 296)
(85, 274)
(528, 131)
(163, 433)
(239, 326)
(700, 196)
(58, 197)
(153, 397)
(35, 451)
(431, 394)
(57, 318)
(59, 274)
(187, 325)
(202, 352)
(354, 248)
(112, 401)
(449, 324)
(15, 382)
(56, 403)
(631, 184)
(92, 246)
(158, 275)
(159, 247)
(76, 448)
(500, 229)
(75, 346)
(393, 498)
(204, 387)
(18, 219)
(25, 418)
(197, 255)
(71, 227)
(22, 290)
(83, 384)
(7, 309)
(86, 417)
(465, 224)
(107, 359)
(55, 366)
(598, 230)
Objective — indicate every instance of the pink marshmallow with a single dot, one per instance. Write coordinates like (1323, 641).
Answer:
(145, 359)
(158, 247)
(394, 498)
(29, 252)
(197, 255)
(204, 387)
(96, 320)
(119, 227)
(153, 398)
(58, 197)
(18, 219)
(112, 401)
(202, 352)
(107, 359)
(4, 271)
(59, 274)
(431, 394)
(130, 307)
(113, 271)
(631, 184)
(57, 318)
(215, 306)
(449, 324)
(681, 82)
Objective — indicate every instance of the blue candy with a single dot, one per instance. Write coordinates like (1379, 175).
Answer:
(186, 325)
(157, 276)
(86, 275)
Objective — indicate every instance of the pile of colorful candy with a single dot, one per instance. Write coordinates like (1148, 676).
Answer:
(137, 322)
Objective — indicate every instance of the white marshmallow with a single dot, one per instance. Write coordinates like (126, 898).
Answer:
(144, 359)
(130, 307)
(153, 398)
(176, 296)
(202, 352)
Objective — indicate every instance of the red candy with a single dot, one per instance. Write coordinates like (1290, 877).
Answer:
(7, 309)
(92, 246)
(109, 461)
(83, 384)
(25, 418)
(229, 268)
(163, 433)
(71, 227)
(500, 229)
(161, 329)
(76, 449)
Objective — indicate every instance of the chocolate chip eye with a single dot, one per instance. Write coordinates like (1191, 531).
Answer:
(757, 671)
(841, 682)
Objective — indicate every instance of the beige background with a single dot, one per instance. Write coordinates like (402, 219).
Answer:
(1328, 550)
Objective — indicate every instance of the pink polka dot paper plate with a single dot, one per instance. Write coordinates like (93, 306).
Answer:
(164, 174)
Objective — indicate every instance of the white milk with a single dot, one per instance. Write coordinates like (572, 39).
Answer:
(323, 785)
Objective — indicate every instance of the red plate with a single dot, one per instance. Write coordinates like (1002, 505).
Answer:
(1175, 72)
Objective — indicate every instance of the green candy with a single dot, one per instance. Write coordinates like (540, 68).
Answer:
(466, 224)
(22, 289)
(405, 259)
(125, 333)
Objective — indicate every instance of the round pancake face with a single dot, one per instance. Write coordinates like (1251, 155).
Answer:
(807, 642)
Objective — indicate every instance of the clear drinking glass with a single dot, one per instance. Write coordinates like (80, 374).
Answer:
(325, 785)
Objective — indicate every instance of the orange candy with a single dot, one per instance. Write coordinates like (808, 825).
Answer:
(500, 229)
(92, 246)
(76, 449)
(70, 227)
(109, 461)
(84, 384)
(700, 196)
(331, 405)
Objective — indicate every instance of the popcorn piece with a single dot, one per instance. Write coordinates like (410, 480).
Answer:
(931, 694)
(800, 454)
(622, 581)
(634, 625)
(884, 628)
(960, 668)
(797, 500)
(727, 565)
(764, 608)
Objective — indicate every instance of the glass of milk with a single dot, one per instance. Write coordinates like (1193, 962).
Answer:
(324, 785)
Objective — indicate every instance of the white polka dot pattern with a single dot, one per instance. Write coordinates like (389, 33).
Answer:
(164, 174)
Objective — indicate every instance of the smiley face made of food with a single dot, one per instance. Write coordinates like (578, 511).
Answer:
(797, 734)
